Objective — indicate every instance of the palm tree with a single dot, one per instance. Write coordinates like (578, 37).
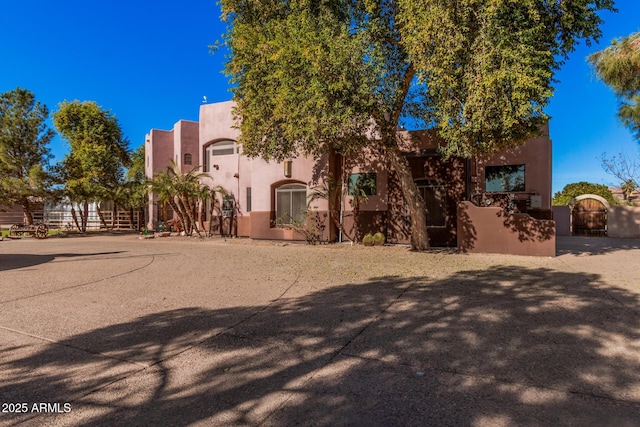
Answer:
(185, 193)
(162, 185)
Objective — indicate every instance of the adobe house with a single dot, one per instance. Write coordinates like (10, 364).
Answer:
(466, 199)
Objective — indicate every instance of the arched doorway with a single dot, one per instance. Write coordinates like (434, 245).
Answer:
(589, 216)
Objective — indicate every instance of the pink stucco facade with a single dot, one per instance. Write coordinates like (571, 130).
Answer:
(253, 183)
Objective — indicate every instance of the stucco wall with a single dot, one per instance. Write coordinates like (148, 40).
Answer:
(623, 221)
(562, 217)
(186, 140)
(535, 154)
(491, 230)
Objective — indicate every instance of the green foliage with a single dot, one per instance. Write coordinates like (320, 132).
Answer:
(618, 66)
(24, 139)
(135, 181)
(367, 240)
(94, 168)
(570, 191)
(313, 76)
(628, 187)
(98, 155)
(185, 193)
(378, 239)
(308, 75)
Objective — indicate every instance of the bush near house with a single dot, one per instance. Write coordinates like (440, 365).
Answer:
(571, 191)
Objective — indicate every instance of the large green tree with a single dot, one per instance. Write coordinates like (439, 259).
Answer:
(94, 167)
(571, 191)
(310, 77)
(619, 67)
(24, 151)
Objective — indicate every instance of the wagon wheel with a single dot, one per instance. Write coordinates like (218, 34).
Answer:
(13, 231)
(42, 231)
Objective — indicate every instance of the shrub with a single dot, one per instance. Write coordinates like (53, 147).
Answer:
(378, 239)
(367, 240)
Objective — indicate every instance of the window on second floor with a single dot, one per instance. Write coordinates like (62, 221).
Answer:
(220, 148)
(504, 178)
(363, 184)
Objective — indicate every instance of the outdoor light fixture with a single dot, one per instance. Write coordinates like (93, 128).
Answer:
(287, 168)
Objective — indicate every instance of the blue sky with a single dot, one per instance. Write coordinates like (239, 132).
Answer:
(149, 63)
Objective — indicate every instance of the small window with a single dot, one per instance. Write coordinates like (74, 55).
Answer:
(363, 183)
(248, 199)
(291, 204)
(223, 148)
(504, 178)
(187, 159)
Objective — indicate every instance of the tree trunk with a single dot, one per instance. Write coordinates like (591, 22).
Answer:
(193, 215)
(416, 206)
(75, 217)
(201, 214)
(176, 210)
(191, 211)
(85, 216)
(26, 210)
(99, 211)
(114, 215)
(130, 215)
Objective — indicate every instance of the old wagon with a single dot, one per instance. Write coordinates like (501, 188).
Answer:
(39, 231)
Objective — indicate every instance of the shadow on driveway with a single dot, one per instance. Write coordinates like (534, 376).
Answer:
(13, 261)
(509, 345)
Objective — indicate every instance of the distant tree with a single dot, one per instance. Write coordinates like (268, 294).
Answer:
(94, 167)
(571, 191)
(626, 169)
(24, 139)
(619, 67)
(628, 187)
(135, 184)
(310, 78)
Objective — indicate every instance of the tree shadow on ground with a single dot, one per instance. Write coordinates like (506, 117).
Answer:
(507, 345)
(15, 261)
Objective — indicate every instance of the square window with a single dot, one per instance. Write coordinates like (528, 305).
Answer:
(504, 178)
(363, 184)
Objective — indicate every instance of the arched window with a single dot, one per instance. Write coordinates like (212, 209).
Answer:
(187, 159)
(291, 203)
(218, 148)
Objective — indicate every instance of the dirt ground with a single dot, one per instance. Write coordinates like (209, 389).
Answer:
(114, 330)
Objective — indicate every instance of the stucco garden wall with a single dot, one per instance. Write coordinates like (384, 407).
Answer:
(623, 221)
(562, 217)
(491, 230)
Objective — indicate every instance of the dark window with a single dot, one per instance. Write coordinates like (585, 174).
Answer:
(227, 206)
(363, 184)
(248, 199)
(187, 159)
(504, 178)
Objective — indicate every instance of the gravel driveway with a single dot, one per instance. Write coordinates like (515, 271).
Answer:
(114, 330)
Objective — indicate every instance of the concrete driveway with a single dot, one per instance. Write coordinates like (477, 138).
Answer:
(113, 330)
